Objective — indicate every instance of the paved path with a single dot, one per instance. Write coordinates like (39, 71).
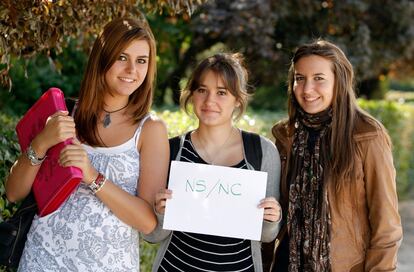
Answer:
(406, 252)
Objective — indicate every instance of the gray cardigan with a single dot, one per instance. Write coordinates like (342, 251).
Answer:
(271, 165)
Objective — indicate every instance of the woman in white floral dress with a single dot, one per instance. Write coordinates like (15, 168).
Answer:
(121, 150)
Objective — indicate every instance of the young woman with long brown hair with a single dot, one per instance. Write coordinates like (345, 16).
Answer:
(338, 179)
(217, 90)
(121, 150)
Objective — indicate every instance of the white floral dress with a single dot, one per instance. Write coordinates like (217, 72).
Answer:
(83, 234)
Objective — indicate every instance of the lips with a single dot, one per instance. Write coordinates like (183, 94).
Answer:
(310, 99)
(128, 80)
(209, 111)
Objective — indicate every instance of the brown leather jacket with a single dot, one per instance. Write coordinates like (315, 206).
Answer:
(366, 227)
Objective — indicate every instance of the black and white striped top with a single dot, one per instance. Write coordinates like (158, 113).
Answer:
(201, 252)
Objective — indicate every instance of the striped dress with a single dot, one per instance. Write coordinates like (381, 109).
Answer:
(201, 252)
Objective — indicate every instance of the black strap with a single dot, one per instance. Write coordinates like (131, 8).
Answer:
(70, 104)
(174, 147)
(253, 149)
(251, 143)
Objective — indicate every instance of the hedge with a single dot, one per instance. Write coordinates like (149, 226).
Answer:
(397, 118)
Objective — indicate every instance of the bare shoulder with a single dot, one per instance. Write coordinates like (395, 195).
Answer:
(153, 130)
(154, 125)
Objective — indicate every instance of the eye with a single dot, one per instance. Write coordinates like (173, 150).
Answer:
(221, 92)
(122, 58)
(201, 90)
(299, 78)
(141, 61)
(318, 78)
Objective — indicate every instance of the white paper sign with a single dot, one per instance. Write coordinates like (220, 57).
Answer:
(215, 200)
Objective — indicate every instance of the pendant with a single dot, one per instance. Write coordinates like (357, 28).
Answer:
(106, 120)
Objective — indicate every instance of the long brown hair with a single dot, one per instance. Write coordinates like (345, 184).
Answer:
(230, 67)
(346, 112)
(116, 35)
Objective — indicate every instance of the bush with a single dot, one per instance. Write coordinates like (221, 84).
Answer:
(34, 77)
(399, 121)
(272, 98)
(397, 118)
(9, 150)
(178, 121)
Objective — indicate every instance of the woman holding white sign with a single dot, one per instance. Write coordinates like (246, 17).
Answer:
(217, 92)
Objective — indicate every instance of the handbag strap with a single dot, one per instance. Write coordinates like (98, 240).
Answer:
(28, 205)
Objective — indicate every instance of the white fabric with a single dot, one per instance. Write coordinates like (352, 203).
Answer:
(83, 234)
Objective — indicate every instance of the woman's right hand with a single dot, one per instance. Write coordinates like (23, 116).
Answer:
(161, 199)
(58, 128)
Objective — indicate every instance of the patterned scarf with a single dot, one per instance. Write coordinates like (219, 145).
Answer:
(308, 216)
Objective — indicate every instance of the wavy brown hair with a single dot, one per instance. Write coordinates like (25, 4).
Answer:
(346, 112)
(231, 69)
(116, 35)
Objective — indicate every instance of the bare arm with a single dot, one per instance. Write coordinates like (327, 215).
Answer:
(159, 234)
(58, 128)
(154, 156)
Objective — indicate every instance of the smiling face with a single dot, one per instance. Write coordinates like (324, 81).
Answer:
(213, 103)
(129, 70)
(314, 82)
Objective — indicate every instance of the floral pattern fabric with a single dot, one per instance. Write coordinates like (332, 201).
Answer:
(83, 234)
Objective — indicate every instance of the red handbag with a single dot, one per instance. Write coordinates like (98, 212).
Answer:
(53, 183)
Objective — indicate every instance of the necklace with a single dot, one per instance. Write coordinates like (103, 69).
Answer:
(210, 158)
(107, 118)
(100, 138)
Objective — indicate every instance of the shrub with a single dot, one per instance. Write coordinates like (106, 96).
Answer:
(397, 118)
(399, 121)
(9, 150)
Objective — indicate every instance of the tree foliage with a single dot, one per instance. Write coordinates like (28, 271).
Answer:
(377, 35)
(31, 27)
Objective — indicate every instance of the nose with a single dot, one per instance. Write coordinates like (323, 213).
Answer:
(131, 67)
(308, 86)
(210, 98)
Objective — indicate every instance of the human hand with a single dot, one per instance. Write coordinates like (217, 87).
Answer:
(161, 199)
(75, 155)
(58, 128)
(272, 210)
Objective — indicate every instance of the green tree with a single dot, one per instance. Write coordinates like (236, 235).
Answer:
(244, 26)
(377, 36)
(29, 28)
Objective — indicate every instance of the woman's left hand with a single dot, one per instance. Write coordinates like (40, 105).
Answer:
(272, 210)
(75, 155)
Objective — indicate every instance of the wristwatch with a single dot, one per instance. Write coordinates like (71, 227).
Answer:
(32, 156)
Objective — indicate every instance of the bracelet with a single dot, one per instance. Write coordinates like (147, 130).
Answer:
(32, 156)
(97, 184)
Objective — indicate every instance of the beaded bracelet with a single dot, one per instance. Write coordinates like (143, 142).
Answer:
(97, 184)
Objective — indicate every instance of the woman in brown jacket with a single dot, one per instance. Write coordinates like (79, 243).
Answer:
(338, 180)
